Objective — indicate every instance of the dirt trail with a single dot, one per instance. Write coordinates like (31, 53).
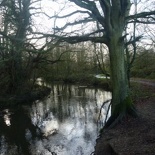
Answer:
(144, 81)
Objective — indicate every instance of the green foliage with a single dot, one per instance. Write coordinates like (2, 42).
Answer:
(144, 65)
(124, 107)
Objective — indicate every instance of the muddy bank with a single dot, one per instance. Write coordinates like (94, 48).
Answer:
(133, 136)
(136, 136)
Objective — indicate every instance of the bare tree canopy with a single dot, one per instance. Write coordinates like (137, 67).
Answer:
(101, 12)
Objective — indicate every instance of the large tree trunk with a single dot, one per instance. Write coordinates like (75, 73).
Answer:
(121, 104)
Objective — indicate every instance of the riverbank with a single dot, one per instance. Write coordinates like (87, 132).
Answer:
(132, 136)
(24, 98)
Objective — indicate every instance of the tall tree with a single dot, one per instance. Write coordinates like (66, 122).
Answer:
(16, 21)
(20, 55)
(111, 16)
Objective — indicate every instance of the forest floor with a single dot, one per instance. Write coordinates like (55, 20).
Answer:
(133, 136)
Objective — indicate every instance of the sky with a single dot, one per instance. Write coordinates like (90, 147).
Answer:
(62, 7)
(52, 8)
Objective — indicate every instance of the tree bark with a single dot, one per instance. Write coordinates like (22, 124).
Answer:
(121, 103)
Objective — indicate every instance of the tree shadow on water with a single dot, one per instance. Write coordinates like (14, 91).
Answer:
(15, 132)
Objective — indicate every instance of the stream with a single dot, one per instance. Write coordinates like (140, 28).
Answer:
(66, 122)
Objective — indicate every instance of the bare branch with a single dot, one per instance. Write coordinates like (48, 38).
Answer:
(144, 15)
(48, 61)
(77, 39)
(105, 5)
(132, 41)
(85, 20)
(144, 22)
(68, 15)
(91, 6)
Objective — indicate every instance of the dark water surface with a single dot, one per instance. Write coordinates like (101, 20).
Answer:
(65, 123)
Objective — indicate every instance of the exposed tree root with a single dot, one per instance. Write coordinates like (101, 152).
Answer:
(115, 119)
(106, 112)
(122, 111)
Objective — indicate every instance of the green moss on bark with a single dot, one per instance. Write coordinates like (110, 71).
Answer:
(121, 111)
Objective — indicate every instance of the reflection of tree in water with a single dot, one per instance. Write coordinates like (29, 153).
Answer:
(15, 134)
(62, 96)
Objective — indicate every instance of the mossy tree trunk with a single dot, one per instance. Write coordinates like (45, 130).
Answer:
(121, 104)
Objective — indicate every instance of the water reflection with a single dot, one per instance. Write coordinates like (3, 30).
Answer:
(7, 117)
(13, 126)
(65, 123)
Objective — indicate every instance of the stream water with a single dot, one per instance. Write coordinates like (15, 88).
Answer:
(64, 123)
